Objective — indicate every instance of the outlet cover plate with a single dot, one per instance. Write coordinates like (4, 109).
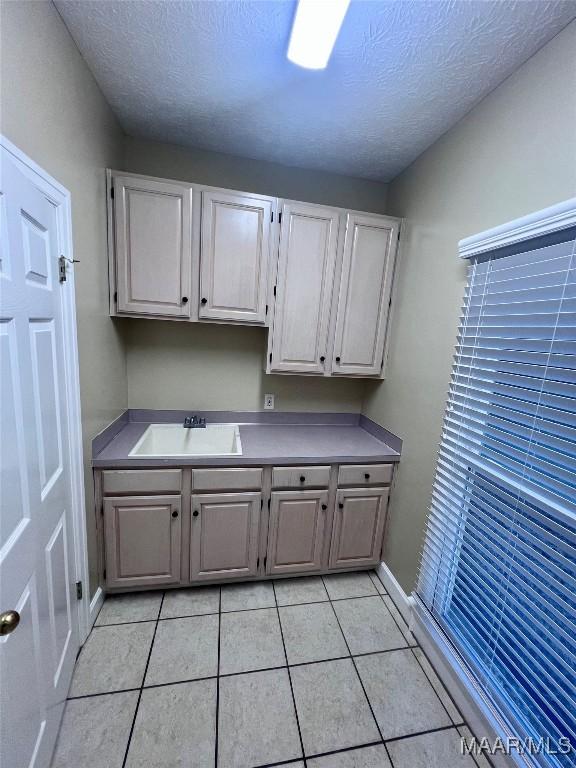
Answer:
(268, 402)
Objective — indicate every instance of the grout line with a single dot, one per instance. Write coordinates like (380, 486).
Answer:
(218, 678)
(101, 693)
(345, 749)
(244, 672)
(359, 678)
(290, 678)
(238, 610)
(422, 733)
(125, 623)
(143, 679)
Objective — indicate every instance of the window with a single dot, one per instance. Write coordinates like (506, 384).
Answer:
(498, 573)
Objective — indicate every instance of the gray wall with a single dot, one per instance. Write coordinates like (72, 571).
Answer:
(52, 109)
(513, 154)
(176, 365)
(219, 170)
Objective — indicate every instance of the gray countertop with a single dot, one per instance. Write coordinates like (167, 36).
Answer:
(266, 439)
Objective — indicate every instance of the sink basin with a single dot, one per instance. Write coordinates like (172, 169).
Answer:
(175, 440)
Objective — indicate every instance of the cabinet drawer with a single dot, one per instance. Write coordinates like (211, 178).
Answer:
(141, 481)
(226, 479)
(365, 474)
(300, 477)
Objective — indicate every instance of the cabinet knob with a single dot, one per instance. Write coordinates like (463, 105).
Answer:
(338, 359)
(322, 359)
(367, 475)
(175, 513)
(195, 513)
(302, 478)
(324, 506)
(203, 301)
(184, 299)
(340, 506)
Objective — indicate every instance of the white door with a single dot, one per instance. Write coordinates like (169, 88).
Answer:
(364, 296)
(234, 256)
(36, 527)
(307, 257)
(153, 246)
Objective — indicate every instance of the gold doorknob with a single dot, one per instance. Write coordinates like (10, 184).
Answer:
(9, 620)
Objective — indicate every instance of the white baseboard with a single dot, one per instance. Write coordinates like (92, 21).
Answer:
(95, 605)
(402, 601)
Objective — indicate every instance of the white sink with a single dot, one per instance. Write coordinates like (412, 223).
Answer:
(175, 440)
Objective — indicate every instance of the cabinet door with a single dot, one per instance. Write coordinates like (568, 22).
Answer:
(142, 540)
(234, 256)
(307, 256)
(224, 535)
(358, 527)
(364, 296)
(153, 246)
(296, 531)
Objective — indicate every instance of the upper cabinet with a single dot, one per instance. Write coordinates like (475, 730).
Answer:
(234, 256)
(152, 246)
(319, 277)
(306, 262)
(364, 295)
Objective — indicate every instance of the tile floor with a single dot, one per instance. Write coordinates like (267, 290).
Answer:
(314, 671)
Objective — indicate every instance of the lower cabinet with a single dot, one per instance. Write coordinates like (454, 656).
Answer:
(296, 531)
(143, 540)
(358, 528)
(224, 535)
(234, 527)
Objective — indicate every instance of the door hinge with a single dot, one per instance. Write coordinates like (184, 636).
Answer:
(112, 192)
(79, 590)
(62, 269)
(269, 503)
(104, 573)
(280, 218)
(270, 356)
(265, 559)
(274, 290)
(257, 563)
(261, 503)
(116, 296)
(266, 308)
(272, 217)
(62, 260)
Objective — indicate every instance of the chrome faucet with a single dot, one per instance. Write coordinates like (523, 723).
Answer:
(194, 422)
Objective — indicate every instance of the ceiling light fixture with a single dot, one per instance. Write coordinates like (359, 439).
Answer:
(314, 32)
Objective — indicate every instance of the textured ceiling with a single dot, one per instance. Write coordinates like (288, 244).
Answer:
(213, 74)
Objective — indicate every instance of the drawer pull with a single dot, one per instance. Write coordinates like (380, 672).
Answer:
(324, 507)
(175, 513)
(340, 506)
(302, 479)
(195, 513)
(367, 475)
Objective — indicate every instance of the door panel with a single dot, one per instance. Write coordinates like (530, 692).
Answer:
(296, 533)
(224, 535)
(234, 256)
(143, 540)
(153, 246)
(358, 527)
(307, 258)
(364, 296)
(37, 570)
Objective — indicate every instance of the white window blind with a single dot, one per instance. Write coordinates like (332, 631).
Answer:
(498, 571)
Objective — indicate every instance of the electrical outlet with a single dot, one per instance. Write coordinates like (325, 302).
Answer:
(269, 402)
